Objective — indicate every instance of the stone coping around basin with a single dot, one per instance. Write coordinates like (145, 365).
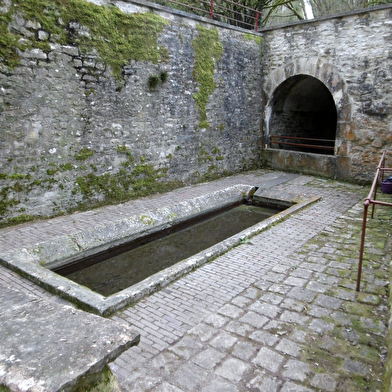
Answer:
(32, 262)
(46, 346)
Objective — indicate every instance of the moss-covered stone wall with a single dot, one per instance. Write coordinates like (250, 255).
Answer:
(103, 103)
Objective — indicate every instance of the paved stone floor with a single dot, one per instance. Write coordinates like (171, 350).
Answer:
(278, 314)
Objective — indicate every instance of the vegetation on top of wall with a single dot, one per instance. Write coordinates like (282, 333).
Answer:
(208, 50)
(118, 37)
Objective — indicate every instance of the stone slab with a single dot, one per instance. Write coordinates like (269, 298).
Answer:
(45, 346)
(277, 178)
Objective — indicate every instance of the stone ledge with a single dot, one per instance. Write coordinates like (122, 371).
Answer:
(45, 346)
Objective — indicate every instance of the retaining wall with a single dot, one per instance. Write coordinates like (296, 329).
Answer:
(91, 115)
(89, 118)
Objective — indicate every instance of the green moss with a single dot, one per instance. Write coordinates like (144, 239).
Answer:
(122, 149)
(3, 176)
(253, 37)
(147, 220)
(163, 76)
(153, 82)
(118, 37)
(17, 220)
(83, 154)
(5, 202)
(213, 173)
(172, 216)
(16, 176)
(358, 309)
(103, 381)
(51, 172)
(208, 50)
(216, 150)
(9, 42)
(128, 162)
(17, 187)
(66, 166)
(123, 185)
(204, 157)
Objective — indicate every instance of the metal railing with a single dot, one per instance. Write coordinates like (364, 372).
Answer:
(225, 11)
(371, 200)
(305, 142)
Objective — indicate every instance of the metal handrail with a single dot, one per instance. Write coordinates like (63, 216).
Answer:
(306, 139)
(371, 200)
(211, 11)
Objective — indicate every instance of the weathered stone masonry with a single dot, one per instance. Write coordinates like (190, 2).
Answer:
(76, 134)
(352, 56)
(87, 117)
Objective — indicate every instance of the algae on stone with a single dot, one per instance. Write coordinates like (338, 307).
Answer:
(116, 36)
(208, 50)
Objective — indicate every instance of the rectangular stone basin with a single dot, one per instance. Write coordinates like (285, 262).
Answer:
(38, 262)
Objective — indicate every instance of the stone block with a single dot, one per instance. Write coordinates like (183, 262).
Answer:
(324, 382)
(296, 370)
(208, 358)
(190, 377)
(55, 347)
(70, 50)
(43, 35)
(233, 369)
(268, 359)
(36, 54)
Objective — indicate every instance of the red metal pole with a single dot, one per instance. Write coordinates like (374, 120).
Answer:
(212, 10)
(257, 20)
(366, 205)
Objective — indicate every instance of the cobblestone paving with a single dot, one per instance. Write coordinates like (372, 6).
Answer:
(279, 314)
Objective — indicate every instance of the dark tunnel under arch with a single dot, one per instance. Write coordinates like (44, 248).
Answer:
(302, 108)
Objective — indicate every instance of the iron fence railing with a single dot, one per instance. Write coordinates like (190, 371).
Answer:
(371, 200)
(240, 15)
(225, 11)
(306, 142)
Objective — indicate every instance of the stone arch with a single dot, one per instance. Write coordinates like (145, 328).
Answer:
(308, 74)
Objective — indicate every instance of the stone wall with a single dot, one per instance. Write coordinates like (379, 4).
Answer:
(351, 55)
(89, 118)
(91, 114)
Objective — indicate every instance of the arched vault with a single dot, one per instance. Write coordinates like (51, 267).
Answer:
(305, 100)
